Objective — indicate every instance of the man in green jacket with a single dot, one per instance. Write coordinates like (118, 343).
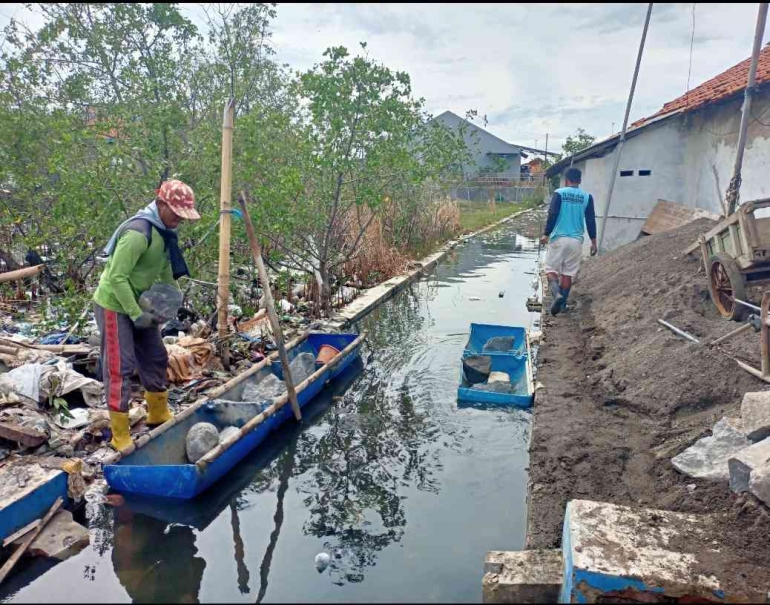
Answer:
(142, 251)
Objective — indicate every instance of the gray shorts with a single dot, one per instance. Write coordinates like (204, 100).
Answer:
(125, 349)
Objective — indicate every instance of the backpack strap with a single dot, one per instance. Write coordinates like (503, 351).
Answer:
(143, 226)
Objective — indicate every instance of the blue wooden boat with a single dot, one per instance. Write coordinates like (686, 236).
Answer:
(515, 363)
(159, 467)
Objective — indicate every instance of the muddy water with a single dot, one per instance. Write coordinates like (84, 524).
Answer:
(405, 490)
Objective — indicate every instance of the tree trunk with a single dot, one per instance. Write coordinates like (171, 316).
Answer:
(325, 287)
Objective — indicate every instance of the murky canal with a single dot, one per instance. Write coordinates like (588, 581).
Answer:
(405, 489)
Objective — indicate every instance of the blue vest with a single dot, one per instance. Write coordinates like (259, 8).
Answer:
(571, 220)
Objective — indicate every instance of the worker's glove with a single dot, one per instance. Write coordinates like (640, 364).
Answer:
(144, 321)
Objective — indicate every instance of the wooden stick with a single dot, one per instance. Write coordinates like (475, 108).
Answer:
(20, 273)
(270, 304)
(75, 325)
(64, 349)
(751, 370)
(21, 533)
(10, 563)
(213, 394)
(730, 334)
(277, 404)
(225, 194)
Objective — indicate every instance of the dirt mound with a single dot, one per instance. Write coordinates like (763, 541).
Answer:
(628, 290)
(623, 395)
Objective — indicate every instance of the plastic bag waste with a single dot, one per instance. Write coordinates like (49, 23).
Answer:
(495, 387)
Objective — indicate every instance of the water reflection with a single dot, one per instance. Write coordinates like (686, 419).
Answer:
(171, 574)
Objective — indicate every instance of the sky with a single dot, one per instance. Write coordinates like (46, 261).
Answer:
(530, 68)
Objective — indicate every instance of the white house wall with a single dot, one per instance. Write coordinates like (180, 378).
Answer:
(682, 152)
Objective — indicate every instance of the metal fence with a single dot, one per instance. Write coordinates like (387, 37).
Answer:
(474, 192)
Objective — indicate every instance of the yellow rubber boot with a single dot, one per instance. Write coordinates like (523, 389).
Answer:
(121, 438)
(157, 408)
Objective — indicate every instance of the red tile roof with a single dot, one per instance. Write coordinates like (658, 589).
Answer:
(724, 85)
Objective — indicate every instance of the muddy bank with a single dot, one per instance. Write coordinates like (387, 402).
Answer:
(623, 395)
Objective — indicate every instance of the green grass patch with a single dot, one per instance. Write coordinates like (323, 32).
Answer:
(474, 216)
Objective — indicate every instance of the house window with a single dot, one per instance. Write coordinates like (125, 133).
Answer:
(626, 173)
(645, 172)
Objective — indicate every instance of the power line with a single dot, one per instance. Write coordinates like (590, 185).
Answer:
(689, 68)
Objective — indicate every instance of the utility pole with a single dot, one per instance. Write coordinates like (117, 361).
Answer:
(612, 130)
(625, 125)
(733, 190)
(545, 163)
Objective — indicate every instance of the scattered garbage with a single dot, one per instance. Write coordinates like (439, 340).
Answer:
(78, 418)
(201, 439)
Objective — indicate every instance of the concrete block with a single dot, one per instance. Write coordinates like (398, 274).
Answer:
(61, 538)
(745, 461)
(759, 483)
(618, 553)
(525, 576)
(755, 413)
(707, 458)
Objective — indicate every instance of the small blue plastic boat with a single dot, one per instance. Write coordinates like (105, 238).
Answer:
(515, 363)
(160, 467)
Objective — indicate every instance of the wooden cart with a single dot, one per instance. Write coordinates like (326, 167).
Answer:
(736, 255)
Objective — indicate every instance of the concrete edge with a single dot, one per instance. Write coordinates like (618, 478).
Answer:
(382, 292)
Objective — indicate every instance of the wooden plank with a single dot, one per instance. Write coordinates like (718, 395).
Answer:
(21, 434)
(735, 242)
(670, 215)
(22, 532)
(10, 563)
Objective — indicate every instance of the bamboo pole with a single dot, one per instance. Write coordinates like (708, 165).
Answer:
(277, 404)
(63, 349)
(733, 190)
(270, 305)
(10, 563)
(225, 195)
(213, 394)
(21, 273)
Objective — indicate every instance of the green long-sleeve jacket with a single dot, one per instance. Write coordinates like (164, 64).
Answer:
(133, 268)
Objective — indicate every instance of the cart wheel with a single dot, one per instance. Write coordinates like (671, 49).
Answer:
(725, 285)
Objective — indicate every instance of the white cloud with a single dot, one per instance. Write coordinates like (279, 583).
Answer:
(530, 68)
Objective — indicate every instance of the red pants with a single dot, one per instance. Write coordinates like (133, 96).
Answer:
(124, 349)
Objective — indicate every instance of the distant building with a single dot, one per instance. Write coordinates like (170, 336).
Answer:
(492, 157)
(534, 169)
(684, 153)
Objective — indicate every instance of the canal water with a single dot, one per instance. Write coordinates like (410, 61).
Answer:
(403, 488)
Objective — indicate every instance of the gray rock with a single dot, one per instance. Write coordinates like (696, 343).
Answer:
(302, 367)
(707, 458)
(322, 561)
(759, 484)
(201, 439)
(744, 462)
(163, 300)
(499, 344)
(495, 387)
(755, 413)
(266, 389)
(476, 368)
(228, 432)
